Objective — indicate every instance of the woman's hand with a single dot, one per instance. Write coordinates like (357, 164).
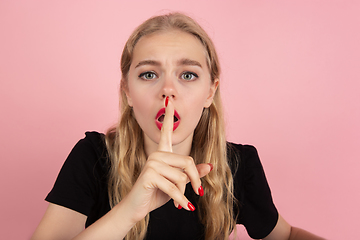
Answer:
(165, 176)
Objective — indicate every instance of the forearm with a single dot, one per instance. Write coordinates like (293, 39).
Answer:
(300, 234)
(114, 225)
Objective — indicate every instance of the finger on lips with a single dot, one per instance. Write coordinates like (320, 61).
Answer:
(187, 165)
(165, 143)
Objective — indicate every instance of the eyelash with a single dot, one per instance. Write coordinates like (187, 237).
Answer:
(194, 75)
(142, 75)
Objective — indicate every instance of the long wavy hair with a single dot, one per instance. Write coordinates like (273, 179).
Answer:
(125, 141)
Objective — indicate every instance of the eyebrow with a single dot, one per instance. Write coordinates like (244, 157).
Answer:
(186, 61)
(148, 62)
(183, 61)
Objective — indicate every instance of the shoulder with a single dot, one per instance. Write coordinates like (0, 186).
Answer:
(87, 152)
(87, 161)
(94, 140)
(92, 146)
(245, 163)
(257, 211)
(244, 150)
(82, 175)
(242, 156)
(91, 151)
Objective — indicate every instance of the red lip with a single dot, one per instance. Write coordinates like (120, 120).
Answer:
(161, 112)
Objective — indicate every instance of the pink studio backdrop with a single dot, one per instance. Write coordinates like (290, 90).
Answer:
(290, 85)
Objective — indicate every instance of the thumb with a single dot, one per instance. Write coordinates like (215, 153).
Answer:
(204, 169)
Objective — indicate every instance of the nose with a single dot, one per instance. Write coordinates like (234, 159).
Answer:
(168, 88)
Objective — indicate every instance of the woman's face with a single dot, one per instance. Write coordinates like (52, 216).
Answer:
(169, 64)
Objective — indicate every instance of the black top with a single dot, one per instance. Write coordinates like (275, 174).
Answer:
(82, 186)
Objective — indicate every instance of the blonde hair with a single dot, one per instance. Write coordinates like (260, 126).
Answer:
(125, 141)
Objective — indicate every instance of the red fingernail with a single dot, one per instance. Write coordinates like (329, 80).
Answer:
(211, 167)
(179, 207)
(166, 101)
(201, 191)
(191, 207)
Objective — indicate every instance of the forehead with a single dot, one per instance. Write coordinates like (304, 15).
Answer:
(170, 45)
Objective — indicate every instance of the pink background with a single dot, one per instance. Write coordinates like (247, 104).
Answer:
(290, 85)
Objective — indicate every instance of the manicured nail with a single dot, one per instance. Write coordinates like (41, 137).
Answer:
(211, 166)
(179, 207)
(166, 101)
(191, 207)
(201, 191)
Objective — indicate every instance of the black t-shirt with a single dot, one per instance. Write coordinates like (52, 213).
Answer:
(82, 186)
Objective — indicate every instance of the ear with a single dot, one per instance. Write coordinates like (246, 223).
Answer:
(129, 100)
(128, 97)
(212, 92)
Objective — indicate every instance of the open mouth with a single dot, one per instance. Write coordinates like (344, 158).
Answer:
(160, 116)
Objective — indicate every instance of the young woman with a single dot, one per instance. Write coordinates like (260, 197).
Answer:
(171, 133)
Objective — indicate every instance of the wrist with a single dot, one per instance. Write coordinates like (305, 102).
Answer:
(124, 214)
(128, 209)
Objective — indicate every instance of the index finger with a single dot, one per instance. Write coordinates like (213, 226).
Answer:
(165, 143)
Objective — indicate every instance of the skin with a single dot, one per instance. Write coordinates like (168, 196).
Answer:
(169, 58)
(168, 168)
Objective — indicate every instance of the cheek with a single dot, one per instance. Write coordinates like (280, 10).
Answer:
(142, 116)
(135, 94)
(195, 106)
(139, 102)
(141, 106)
(199, 99)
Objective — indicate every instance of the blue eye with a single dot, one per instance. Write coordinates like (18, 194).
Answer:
(147, 75)
(188, 76)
